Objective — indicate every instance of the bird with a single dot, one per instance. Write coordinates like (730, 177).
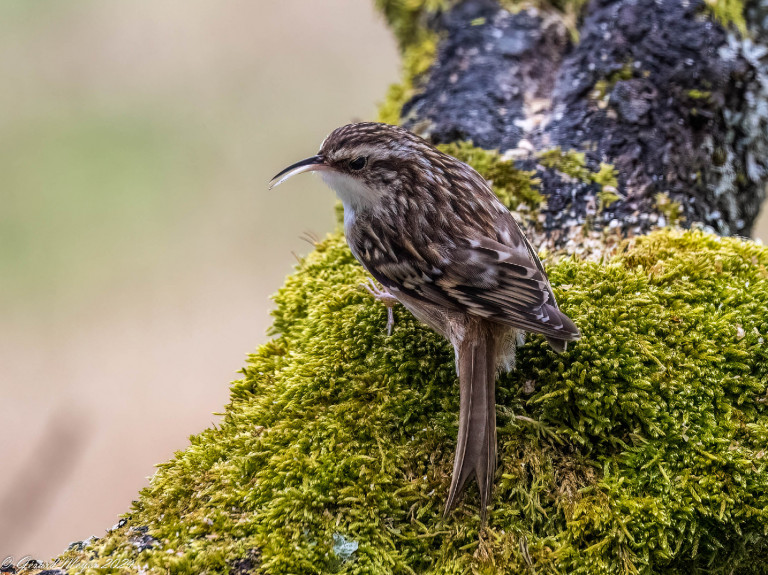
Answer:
(430, 230)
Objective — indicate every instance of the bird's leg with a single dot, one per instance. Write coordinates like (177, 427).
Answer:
(381, 294)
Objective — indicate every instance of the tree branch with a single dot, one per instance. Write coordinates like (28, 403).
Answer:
(660, 90)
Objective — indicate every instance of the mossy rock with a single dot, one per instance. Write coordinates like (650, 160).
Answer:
(641, 449)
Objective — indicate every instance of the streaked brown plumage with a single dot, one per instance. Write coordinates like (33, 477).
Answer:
(430, 229)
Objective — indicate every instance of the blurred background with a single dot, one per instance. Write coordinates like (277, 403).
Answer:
(138, 242)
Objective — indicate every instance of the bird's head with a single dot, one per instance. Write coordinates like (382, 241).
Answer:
(366, 161)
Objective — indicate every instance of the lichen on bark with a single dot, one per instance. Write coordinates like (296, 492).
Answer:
(626, 93)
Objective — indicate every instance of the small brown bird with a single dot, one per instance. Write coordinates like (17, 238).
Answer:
(429, 228)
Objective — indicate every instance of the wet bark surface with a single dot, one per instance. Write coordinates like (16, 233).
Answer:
(657, 88)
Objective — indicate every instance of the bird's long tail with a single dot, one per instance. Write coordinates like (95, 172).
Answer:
(476, 445)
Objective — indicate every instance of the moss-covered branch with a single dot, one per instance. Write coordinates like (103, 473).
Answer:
(643, 448)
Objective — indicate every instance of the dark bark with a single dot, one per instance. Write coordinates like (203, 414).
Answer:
(675, 101)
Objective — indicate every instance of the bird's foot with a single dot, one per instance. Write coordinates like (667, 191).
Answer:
(381, 294)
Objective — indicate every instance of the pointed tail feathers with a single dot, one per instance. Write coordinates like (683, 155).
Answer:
(559, 345)
(568, 329)
(476, 445)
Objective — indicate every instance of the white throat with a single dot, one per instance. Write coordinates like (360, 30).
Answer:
(352, 192)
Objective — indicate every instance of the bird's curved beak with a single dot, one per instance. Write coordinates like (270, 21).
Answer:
(309, 165)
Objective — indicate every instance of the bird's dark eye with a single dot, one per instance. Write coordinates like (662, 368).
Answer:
(358, 163)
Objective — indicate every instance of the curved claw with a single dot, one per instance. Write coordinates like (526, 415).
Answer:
(382, 295)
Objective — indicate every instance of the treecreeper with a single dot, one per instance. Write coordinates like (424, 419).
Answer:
(431, 231)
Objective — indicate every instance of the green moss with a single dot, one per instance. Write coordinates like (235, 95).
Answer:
(671, 210)
(569, 6)
(570, 10)
(574, 164)
(607, 175)
(728, 13)
(605, 197)
(699, 94)
(417, 59)
(418, 43)
(407, 18)
(571, 163)
(641, 450)
(604, 87)
(512, 186)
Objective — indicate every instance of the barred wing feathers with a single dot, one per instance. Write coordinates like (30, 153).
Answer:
(477, 275)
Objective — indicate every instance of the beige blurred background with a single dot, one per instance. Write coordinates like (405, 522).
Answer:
(138, 242)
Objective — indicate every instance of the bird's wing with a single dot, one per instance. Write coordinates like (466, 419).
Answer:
(493, 281)
(503, 282)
